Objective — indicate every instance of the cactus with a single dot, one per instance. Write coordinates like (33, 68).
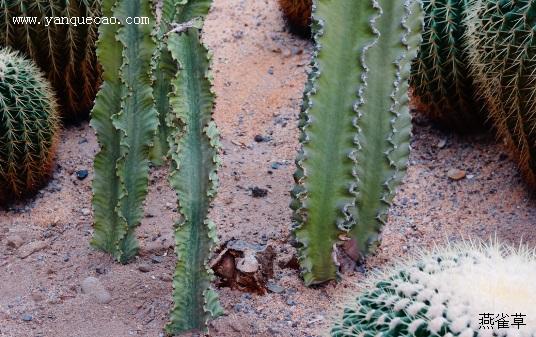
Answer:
(355, 127)
(503, 62)
(446, 293)
(125, 121)
(297, 13)
(65, 52)
(194, 144)
(163, 69)
(29, 127)
(440, 75)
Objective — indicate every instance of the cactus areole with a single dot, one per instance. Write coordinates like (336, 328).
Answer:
(449, 292)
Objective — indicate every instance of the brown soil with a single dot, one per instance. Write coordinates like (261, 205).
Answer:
(259, 72)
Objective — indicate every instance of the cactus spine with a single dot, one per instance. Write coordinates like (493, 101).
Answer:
(445, 293)
(65, 52)
(355, 127)
(28, 127)
(194, 144)
(503, 61)
(297, 13)
(440, 76)
(125, 120)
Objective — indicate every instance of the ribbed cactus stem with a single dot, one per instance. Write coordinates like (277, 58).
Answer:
(29, 127)
(355, 128)
(194, 145)
(125, 120)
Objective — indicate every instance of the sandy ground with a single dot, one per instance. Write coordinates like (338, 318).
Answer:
(259, 71)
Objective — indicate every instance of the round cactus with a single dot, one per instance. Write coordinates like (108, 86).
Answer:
(457, 291)
(62, 44)
(28, 127)
(502, 49)
(440, 75)
(298, 15)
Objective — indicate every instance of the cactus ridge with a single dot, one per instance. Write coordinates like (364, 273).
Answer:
(29, 127)
(441, 78)
(125, 120)
(503, 61)
(65, 52)
(384, 124)
(194, 145)
(444, 293)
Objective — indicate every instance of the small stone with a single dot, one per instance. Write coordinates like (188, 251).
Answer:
(247, 264)
(442, 143)
(271, 70)
(31, 248)
(27, 317)
(157, 259)
(456, 174)
(258, 192)
(82, 140)
(291, 302)
(14, 241)
(37, 296)
(260, 138)
(92, 286)
(165, 278)
(85, 211)
(82, 174)
(277, 289)
(144, 268)
(275, 166)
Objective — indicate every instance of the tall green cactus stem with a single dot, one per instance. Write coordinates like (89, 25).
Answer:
(29, 127)
(448, 292)
(125, 120)
(384, 121)
(171, 13)
(355, 128)
(65, 52)
(440, 75)
(194, 143)
(503, 60)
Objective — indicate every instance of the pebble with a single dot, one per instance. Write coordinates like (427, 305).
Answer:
(247, 264)
(82, 174)
(456, 174)
(85, 211)
(258, 192)
(157, 259)
(166, 278)
(31, 248)
(27, 317)
(441, 144)
(274, 288)
(144, 268)
(14, 241)
(92, 286)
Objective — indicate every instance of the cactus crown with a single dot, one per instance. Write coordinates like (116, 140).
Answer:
(28, 127)
(446, 293)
